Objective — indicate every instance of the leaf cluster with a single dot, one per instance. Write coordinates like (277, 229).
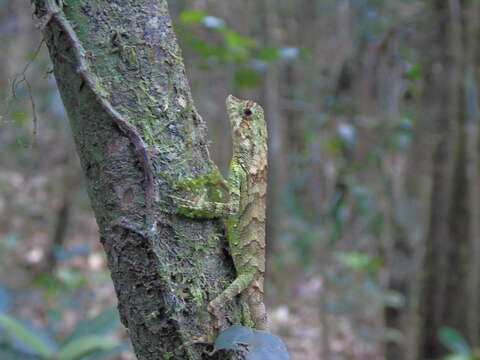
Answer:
(224, 45)
(20, 339)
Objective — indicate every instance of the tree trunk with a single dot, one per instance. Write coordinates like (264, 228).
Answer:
(139, 138)
(471, 133)
(446, 274)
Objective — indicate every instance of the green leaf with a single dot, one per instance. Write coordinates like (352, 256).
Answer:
(248, 78)
(19, 117)
(9, 353)
(99, 325)
(81, 346)
(73, 279)
(102, 354)
(334, 145)
(18, 330)
(236, 40)
(204, 48)
(192, 16)
(51, 285)
(357, 260)
(453, 340)
(268, 54)
(237, 46)
(415, 72)
(458, 357)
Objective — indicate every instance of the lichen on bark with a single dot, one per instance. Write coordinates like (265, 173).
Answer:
(124, 55)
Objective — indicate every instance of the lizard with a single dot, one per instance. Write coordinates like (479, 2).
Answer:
(244, 211)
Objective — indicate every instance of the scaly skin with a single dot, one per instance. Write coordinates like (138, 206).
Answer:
(244, 212)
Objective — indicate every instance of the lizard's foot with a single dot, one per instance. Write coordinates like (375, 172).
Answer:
(197, 340)
(217, 323)
(216, 319)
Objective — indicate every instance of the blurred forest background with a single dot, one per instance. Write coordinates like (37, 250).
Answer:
(374, 197)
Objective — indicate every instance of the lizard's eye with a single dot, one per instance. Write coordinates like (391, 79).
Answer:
(247, 112)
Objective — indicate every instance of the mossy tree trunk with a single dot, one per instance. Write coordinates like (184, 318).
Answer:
(122, 80)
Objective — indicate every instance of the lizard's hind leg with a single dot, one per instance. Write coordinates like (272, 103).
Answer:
(235, 288)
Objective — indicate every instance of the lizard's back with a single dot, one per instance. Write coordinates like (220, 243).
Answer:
(247, 228)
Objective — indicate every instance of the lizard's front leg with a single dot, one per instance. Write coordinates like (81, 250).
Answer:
(203, 209)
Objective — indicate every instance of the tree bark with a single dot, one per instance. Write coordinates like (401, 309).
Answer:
(471, 133)
(448, 250)
(139, 138)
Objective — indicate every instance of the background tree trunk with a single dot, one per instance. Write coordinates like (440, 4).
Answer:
(139, 138)
(448, 265)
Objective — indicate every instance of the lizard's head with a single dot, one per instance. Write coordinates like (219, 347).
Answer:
(247, 122)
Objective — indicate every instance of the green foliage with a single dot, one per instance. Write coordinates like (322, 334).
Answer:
(415, 71)
(230, 47)
(457, 344)
(269, 53)
(22, 333)
(357, 260)
(453, 340)
(64, 280)
(19, 117)
(99, 325)
(248, 78)
(192, 16)
(75, 349)
(88, 338)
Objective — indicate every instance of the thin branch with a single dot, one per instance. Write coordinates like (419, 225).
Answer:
(22, 78)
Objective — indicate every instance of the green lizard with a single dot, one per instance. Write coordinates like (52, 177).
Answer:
(245, 210)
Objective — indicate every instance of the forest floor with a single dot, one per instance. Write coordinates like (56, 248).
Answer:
(301, 326)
